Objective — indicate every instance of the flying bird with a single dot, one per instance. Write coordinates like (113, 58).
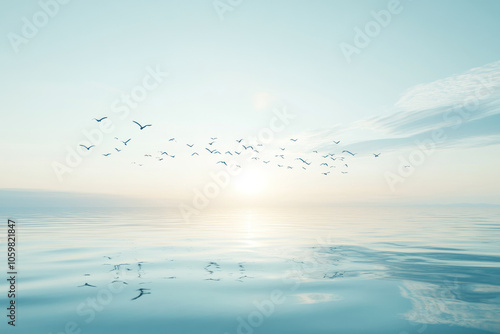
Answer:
(209, 150)
(239, 140)
(266, 162)
(163, 153)
(293, 139)
(194, 154)
(227, 152)
(345, 151)
(171, 139)
(247, 147)
(117, 150)
(88, 148)
(222, 162)
(213, 138)
(190, 145)
(282, 148)
(324, 163)
(125, 142)
(336, 142)
(376, 155)
(307, 163)
(237, 152)
(100, 120)
(107, 154)
(142, 127)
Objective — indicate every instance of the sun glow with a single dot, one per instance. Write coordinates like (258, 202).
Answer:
(250, 183)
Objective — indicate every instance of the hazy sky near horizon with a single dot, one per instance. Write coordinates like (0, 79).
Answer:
(429, 74)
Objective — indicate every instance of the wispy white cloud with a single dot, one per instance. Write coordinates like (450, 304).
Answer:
(465, 107)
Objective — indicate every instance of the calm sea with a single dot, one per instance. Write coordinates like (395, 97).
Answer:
(336, 270)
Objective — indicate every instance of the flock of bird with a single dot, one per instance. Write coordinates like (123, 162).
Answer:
(134, 273)
(280, 158)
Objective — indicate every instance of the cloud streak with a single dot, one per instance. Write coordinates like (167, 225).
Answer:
(465, 107)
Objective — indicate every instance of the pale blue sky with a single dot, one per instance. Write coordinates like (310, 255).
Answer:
(222, 71)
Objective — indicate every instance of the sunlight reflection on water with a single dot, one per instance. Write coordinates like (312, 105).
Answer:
(370, 270)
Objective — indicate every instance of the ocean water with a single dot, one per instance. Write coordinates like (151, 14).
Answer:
(311, 270)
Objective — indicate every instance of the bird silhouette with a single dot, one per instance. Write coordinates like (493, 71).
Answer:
(190, 145)
(247, 147)
(336, 142)
(227, 152)
(107, 154)
(100, 120)
(142, 292)
(194, 154)
(209, 150)
(88, 148)
(213, 138)
(171, 139)
(142, 127)
(239, 140)
(117, 150)
(345, 151)
(222, 162)
(376, 155)
(125, 142)
(293, 139)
